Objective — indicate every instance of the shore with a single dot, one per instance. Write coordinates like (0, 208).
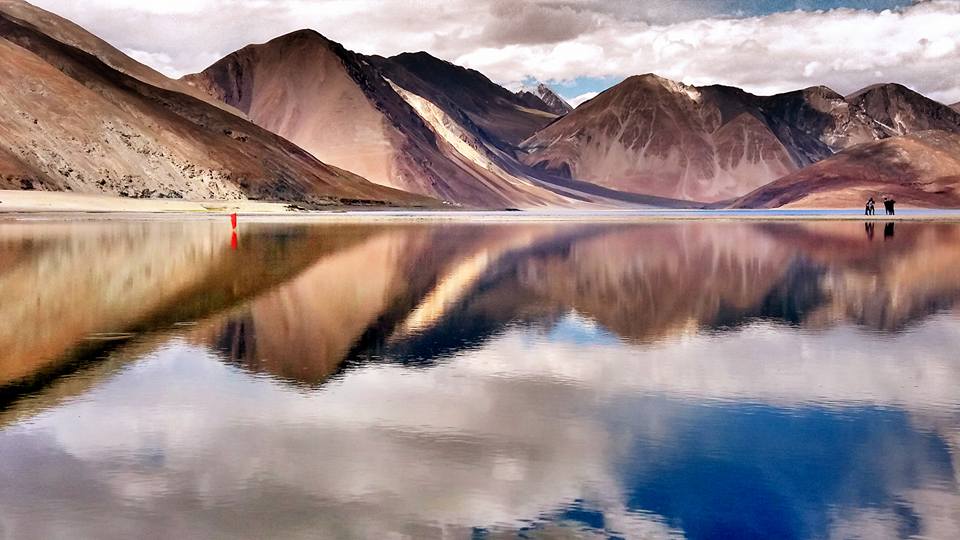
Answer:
(39, 205)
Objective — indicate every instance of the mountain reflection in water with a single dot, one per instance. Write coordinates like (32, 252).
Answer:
(696, 379)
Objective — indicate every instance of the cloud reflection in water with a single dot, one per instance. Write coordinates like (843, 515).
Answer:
(785, 380)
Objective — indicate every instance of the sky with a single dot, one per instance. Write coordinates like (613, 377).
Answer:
(580, 47)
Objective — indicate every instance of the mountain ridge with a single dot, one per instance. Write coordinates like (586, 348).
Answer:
(656, 136)
(389, 119)
(138, 140)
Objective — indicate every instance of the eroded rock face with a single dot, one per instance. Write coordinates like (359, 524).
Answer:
(70, 121)
(557, 104)
(901, 111)
(815, 122)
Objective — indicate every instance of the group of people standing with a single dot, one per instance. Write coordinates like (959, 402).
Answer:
(887, 205)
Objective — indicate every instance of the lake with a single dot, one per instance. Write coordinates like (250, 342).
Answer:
(696, 379)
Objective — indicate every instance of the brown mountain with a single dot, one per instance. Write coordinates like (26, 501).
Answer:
(337, 105)
(816, 122)
(78, 116)
(900, 111)
(956, 106)
(655, 136)
(70, 34)
(501, 115)
(920, 169)
(486, 122)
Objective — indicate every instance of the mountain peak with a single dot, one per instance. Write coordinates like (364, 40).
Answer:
(887, 88)
(652, 81)
(552, 102)
(822, 91)
(901, 110)
(304, 36)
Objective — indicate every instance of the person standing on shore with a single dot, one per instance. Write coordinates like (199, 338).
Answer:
(871, 207)
(888, 205)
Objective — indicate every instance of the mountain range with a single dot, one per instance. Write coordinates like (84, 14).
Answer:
(79, 115)
(303, 119)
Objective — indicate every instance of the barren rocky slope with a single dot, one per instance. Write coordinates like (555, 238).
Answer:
(500, 114)
(652, 135)
(338, 106)
(67, 32)
(920, 169)
(655, 136)
(815, 122)
(900, 111)
(71, 122)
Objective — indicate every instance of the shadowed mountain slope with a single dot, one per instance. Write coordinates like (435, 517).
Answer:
(900, 111)
(500, 114)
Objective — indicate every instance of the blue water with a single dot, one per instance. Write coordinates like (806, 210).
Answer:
(668, 380)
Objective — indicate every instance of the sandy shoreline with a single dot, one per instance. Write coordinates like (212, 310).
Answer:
(57, 206)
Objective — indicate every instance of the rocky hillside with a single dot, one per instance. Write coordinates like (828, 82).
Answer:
(920, 169)
(652, 135)
(76, 115)
(900, 111)
(659, 137)
(394, 130)
(500, 114)
(68, 33)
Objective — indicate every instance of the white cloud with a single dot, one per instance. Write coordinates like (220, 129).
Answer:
(577, 100)
(557, 41)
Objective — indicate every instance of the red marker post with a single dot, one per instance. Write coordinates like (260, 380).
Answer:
(233, 233)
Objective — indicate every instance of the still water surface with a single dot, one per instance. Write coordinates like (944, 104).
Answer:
(700, 380)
